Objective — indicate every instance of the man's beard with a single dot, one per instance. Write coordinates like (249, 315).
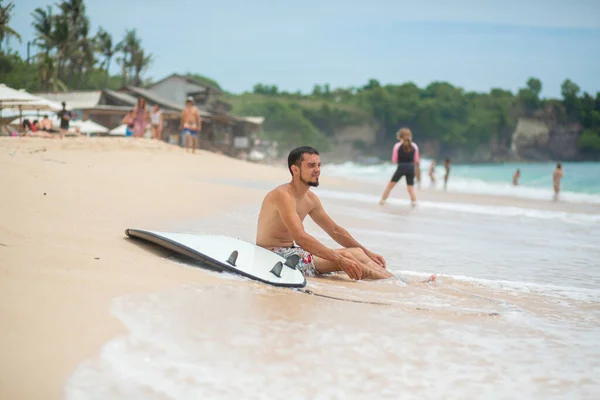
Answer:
(309, 183)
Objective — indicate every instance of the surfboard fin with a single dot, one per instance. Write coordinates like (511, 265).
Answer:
(292, 261)
(233, 258)
(276, 270)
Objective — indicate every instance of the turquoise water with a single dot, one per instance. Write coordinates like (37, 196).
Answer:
(580, 184)
(578, 177)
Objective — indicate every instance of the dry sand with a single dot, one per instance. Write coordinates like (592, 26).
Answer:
(63, 256)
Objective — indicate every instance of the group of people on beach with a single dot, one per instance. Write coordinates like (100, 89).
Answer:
(557, 175)
(406, 155)
(138, 119)
(45, 128)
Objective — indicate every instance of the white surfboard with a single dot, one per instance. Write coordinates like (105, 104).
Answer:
(229, 254)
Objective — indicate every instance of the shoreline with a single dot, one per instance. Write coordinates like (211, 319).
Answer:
(65, 256)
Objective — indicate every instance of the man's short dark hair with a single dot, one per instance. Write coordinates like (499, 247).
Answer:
(296, 156)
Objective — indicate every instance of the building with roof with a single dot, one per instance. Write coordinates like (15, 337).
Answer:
(221, 130)
(108, 107)
(178, 88)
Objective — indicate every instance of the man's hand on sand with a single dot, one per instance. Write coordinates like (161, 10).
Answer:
(379, 260)
(350, 267)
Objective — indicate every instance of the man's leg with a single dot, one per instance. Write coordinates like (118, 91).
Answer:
(369, 269)
(194, 143)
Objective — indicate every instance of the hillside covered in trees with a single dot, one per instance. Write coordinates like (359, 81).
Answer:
(450, 119)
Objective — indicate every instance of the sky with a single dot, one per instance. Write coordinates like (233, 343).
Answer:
(474, 44)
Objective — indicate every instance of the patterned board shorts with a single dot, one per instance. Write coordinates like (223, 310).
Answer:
(306, 264)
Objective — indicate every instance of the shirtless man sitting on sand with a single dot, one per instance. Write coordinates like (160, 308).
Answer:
(280, 226)
(190, 124)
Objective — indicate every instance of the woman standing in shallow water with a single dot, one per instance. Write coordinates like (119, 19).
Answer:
(406, 155)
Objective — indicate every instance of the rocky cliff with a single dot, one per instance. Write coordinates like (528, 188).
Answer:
(544, 139)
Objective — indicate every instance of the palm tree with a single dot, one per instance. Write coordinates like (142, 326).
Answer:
(104, 45)
(128, 46)
(82, 60)
(61, 40)
(140, 62)
(48, 74)
(5, 30)
(43, 25)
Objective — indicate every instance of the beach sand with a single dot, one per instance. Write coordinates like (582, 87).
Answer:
(64, 256)
(66, 204)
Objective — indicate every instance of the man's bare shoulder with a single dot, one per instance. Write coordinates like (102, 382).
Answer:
(279, 194)
(313, 198)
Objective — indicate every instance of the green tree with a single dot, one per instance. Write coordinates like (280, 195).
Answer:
(570, 91)
(205, 80)
(6, 31)
(535, 87)
(106, 47)
(530, 95)
(140, 62)
(589, 141)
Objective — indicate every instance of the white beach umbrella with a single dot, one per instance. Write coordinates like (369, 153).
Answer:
(39, 104)
(88, 126)
(118, 131)
(8, 94)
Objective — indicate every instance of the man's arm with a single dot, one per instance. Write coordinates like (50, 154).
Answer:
(337, 233)
(286, 206)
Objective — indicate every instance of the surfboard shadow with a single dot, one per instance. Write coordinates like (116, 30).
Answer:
(170, 255)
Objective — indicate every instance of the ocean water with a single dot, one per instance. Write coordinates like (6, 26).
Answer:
(515, 314)
(580, 184)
